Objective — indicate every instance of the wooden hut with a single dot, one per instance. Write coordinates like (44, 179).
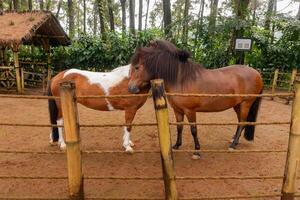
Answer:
(37, 28)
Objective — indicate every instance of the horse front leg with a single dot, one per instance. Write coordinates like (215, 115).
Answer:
(127, 143)
(179, 118)
(192, 119)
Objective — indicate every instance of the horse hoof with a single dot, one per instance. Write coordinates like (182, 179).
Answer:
(231, 149)
(129, 150)
(62, 146)
(131, 143)
(196, 156)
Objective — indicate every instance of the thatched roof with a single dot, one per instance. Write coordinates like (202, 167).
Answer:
(30, 28)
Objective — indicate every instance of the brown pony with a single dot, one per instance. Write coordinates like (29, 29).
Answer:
(163, 60)
(96, 83)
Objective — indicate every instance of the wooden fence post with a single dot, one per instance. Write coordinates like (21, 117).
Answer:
(71, 130)
(293, 77)
(293, 154)
(162, 117)
(274, 82)
(18, 72)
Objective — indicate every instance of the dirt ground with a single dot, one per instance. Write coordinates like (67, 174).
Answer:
(145, 138)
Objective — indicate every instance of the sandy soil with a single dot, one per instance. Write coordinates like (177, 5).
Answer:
(145, 138)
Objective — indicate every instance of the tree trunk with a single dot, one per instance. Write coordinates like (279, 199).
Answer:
(131, 16)
(146, 20)
(140, 14)
(240, 10)
(111, 15)
(101, 17)
(48, 5)
(16, 5)
(254, 11)
(213, 15)
(199, 24)
(30, 5)
(185, 22)
(95, 20)
(71, 18)
(1, 6)
(167, 18)
(41, 5)
(123, 5)
(298, 14)
(269, 13)
(24, 5)
(273, 25)
(84, 16)
(58, 8)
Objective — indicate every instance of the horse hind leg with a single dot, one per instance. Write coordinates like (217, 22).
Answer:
(242, 111)
(192, 119)
(179, 118)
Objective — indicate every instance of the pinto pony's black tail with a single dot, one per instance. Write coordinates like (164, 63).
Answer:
(252, 115)
(53, 112)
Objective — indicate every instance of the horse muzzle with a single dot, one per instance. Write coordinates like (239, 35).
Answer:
(133, 89)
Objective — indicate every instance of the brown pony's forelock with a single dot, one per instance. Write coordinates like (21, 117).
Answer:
(163, 60)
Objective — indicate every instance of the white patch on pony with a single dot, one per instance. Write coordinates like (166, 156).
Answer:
(109, 106)
(104, 80)
(126, 141)
(61, 142)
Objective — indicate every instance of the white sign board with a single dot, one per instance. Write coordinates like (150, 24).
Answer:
(243, 44)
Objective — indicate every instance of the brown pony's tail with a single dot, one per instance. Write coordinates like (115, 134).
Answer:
(250, 129)
(53, 112)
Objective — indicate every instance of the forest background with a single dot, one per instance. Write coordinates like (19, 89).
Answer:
(105, 33)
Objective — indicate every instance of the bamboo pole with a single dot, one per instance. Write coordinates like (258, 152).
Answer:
(274, 82)
(293, 154)
(22, 78)
(293, 77)
(71, 130)
(18, 73)
(162, 117)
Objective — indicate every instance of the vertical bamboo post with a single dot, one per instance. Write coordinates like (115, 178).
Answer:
(293, 77)
(162, 117)
(274, 82)
(71, 130)
(18, 72)
(22, 78)
(293, 154)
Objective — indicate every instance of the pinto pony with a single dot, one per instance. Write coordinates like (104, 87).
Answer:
(163, 60)
(96, 83)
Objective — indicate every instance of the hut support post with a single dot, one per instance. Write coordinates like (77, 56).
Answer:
(19, 76)
(71, 130)
(293, 154)
(293, 77)
(274, 82)
(162, 117)
(2, 56)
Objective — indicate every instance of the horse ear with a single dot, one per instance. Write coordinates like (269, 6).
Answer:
(183, 55)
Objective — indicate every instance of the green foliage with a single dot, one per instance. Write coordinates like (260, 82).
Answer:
(94, 53)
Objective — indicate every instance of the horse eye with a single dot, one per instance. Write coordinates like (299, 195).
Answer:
(136, 67)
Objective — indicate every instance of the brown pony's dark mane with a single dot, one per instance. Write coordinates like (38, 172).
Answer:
(164, 60)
